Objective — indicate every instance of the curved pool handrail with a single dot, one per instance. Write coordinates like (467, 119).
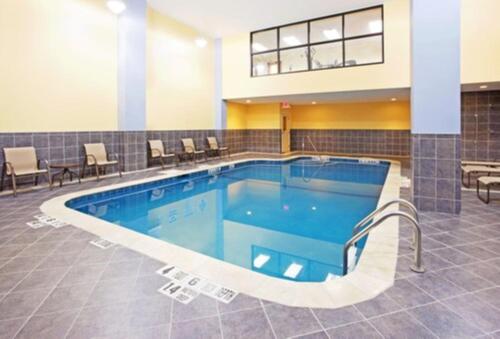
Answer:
(379, 210)
(417, 266)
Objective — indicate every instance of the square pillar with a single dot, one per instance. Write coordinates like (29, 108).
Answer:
(435, 105)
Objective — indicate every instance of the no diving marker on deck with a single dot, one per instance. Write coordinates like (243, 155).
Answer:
(185, 287)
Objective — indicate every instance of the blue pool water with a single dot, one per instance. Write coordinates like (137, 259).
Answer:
(285, 219)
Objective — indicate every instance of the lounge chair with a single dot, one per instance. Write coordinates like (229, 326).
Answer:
(495, 163)
(471, 169)
(96, 157)
(22, 162)
(190, 150)
(157, 151)
(216, 149)
(488, 182)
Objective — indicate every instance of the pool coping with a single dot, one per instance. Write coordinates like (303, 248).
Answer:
(373, 274)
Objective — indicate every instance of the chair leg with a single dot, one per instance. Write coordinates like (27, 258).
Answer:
(3, 178)
(119, 170)
(161, 162)
(487, 199)
(14, 186)
(50, 180)
(82, 173)
(97, 171)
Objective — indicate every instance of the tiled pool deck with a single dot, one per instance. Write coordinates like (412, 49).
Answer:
(54, 284)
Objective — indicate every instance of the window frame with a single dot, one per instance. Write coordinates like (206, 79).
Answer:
(308, 45)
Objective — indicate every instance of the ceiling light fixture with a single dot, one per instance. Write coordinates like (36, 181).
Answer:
(258, 47)
(200, 42)
(313, 103)
(331, 34)
(291, 40)
(116, 6)
(393, 99)
(375, 26)
(248, 101)
(483, 86)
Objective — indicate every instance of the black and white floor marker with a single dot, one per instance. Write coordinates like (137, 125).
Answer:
(185, 287)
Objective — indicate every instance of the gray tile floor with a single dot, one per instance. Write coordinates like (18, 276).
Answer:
(54, 284)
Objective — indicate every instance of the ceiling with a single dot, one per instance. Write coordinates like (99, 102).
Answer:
(401, 94)
(219, 18)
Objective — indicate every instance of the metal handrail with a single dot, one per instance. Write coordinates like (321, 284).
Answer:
(417, 266)
(310, 141)
(372, 215)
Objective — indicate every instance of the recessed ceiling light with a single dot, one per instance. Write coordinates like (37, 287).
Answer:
(331, 34)
(393, 99)
(200, 42)
(291, 40)
(314, 102)
(258, 47)
(483, 86)
(375, 26)
(116, 6)
(248, 101)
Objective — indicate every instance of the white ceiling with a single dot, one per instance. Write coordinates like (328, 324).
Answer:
(401, 94)
(219, 18)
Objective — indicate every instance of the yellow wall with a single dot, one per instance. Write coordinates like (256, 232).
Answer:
(58, 66)
(253, 116)
(236, 115)
(370, 115)
(263, 116)
(480, 41)
(180, 84)
(394, 73)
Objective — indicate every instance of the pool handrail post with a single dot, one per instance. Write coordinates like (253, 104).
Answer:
(417, 266)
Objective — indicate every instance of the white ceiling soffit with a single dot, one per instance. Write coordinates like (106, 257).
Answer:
(219, 18)
(400, 94)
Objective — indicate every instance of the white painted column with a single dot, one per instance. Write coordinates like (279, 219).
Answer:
(132, 66)
(220, 105)
(435, 105)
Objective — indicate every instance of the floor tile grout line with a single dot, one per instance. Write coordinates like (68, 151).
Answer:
(319, 322)
(268, 319)
(219, 318)
(68, 331)
(41, 303)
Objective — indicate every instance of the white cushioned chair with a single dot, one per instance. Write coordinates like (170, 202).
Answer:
(96, 157)
(22, 162)
(216, 149)
(157, 151)
(190, 150)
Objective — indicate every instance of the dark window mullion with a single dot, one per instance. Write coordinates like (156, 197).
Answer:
(309, 58)
(343, 40)
(278, 45)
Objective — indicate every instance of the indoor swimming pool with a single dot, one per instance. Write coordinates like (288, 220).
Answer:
(285, 219)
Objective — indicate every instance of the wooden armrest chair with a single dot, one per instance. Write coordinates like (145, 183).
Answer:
(96, 157)
(190, 150)
(216, 149)
(23, 162)
(157, 151)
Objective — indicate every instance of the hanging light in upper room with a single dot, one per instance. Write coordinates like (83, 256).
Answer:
(483, 86)
(393, 99)
(200, 42)
(313, 103)
(116, 6)
(248, 101)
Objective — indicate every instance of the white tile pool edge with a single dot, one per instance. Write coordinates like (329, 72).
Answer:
(373, 274)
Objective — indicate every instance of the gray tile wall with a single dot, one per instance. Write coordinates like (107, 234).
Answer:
(367, 142)
(485, 143)
(436, 172)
